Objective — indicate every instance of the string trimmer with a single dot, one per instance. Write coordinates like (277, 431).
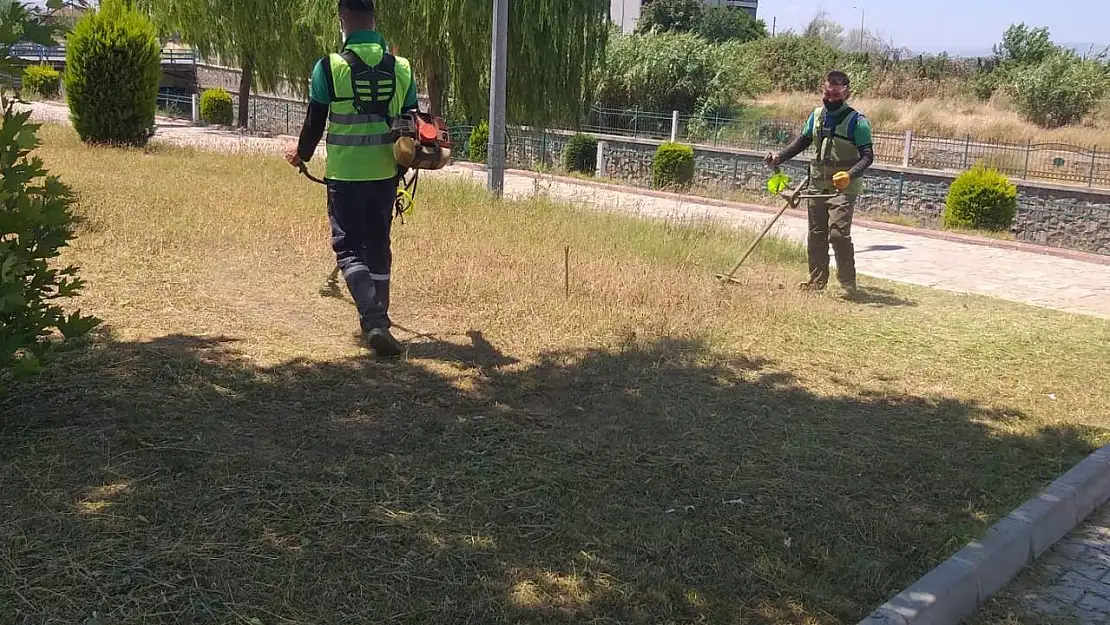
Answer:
(777, 185)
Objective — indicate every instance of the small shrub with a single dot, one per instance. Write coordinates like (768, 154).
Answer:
(981, 198)
(673, 166)
(113, 69)
(216, 107)
(479, 142)
(42, 80)
(581, 154)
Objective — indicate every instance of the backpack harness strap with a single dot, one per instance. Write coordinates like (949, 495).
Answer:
(373, 88)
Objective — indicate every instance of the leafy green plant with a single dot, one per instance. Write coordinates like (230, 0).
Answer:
(580, 154)
(722, 23)
(673, 166)
(217, 107)
(675, 72)
(113, 69)
(981, 198)
(1060, 90)
(671, 15)
(36, 222)
(793, 63)
(41, 80)
(479, 142)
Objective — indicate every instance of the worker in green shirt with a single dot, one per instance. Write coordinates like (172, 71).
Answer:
(357, 93)
(842, 136)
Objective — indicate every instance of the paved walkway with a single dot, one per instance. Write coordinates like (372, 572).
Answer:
(1073, 579)
(1019, 276)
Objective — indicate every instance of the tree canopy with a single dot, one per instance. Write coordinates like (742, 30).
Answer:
(268, 40)
(554, 48)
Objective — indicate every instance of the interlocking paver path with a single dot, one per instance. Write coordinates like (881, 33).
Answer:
(1071, 583)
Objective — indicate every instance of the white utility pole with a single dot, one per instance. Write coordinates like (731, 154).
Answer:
(495, 178)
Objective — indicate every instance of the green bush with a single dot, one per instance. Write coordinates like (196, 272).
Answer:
(981, 198)
(216, 107)
(581, 154)
(113, 69)
(722, 23)
(1061, 90)
(479, 142)
(675, 72)
(794, 63)
(673, 166)
(36, 222)
(42, 80)
(670, 15)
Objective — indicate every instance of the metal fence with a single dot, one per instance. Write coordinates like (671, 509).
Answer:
(1072, 164)
(175, 104)
(43, 54)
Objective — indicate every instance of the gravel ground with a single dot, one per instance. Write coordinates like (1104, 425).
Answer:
(182, 133)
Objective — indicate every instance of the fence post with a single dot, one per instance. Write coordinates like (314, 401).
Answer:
(196, 108)
(906, 149)
(1094, 156)
(967, 149)
(600, 173)
(674, 126)
(1028, 152)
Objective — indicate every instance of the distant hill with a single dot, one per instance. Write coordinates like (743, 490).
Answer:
(1085, 48)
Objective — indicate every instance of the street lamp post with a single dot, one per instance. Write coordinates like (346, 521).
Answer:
(495, 173)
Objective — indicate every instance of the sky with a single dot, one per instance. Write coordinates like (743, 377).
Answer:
(931, 25)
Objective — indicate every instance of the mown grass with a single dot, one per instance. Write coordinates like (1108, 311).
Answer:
(654, 448)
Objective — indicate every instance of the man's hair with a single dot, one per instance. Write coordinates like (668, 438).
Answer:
(838, 78)
(357, 6)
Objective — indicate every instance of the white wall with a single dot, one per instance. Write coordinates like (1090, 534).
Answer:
(624, 13)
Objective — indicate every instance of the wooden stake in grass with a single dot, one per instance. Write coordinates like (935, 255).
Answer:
(566, 270)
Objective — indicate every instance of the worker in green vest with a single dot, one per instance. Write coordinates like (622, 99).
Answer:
(357, 93)
(842, 136)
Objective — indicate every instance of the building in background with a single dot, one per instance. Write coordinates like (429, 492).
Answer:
(750, 6)
(625, 13)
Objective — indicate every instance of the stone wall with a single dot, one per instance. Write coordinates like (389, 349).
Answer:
(1048, 214)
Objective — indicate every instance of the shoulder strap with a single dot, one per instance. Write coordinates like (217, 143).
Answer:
(372, 87)
(329, 78)
(827, 127)
(387, 64)
(853, 122)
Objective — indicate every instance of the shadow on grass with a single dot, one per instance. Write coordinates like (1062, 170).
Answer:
(878, 297)
(177, 482)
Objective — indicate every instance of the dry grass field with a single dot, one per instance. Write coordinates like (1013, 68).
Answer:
(949, 117)
(652, 448)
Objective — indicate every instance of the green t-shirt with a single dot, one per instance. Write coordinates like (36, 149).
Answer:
(319, 90)
(862, 134)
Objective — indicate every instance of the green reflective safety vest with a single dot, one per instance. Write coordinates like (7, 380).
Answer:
(360, 145)
(836, 149)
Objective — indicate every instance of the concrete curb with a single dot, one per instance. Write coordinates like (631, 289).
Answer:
(958, 586)
(1020, 246)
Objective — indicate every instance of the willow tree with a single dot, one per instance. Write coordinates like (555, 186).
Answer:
(554, 48)
(271, 41)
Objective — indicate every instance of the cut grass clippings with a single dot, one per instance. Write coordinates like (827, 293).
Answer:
(654, 448)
